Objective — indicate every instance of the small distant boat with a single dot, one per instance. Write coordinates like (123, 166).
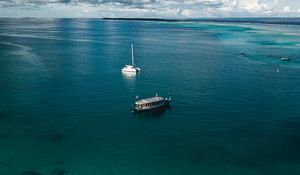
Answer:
(152, 103)
(243, 54)
(285, 59)
(131, 68)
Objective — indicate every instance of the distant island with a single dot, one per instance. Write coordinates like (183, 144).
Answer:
(145, 19)
(287, 21)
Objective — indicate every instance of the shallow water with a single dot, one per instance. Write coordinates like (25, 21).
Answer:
(66, 108)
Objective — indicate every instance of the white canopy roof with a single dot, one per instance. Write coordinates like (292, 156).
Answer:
(149, 100)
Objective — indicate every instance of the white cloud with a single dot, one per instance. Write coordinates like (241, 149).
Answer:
(255, 6)
(286, 9)
(147, 8)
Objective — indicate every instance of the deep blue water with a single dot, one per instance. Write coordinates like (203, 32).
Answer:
(66, 108)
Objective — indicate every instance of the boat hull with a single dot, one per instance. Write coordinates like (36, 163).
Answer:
(165, 105)
(130, 70)
(285, 59)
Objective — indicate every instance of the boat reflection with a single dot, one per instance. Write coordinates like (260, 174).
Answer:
(157, 113)
(129, 75)
(129, 78)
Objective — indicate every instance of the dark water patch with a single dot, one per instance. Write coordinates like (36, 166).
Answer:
(250, 160)
(296, 141)
(291, 124)
(5, 135)
(291, 129)
(26, 172)
(59, 162)
(5, 116)
(266, 149)
(247, 156)
(246, 132)
(57, 138)
(59, 172)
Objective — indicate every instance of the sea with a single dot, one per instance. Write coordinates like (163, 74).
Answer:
(67, 109)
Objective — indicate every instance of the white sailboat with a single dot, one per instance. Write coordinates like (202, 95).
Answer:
(131, 68)
(285, 59)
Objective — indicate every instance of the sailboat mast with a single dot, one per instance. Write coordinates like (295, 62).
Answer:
(132, 56)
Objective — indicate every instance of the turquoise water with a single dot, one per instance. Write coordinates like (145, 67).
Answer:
(65, 106)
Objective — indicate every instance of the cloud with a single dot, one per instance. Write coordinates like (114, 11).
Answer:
(132, 3)
(146, 8)
(286, 9)
(13, 3)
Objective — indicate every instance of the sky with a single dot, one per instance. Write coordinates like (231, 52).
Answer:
(149, 8)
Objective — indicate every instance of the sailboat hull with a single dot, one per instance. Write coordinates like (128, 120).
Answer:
(130, 69)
